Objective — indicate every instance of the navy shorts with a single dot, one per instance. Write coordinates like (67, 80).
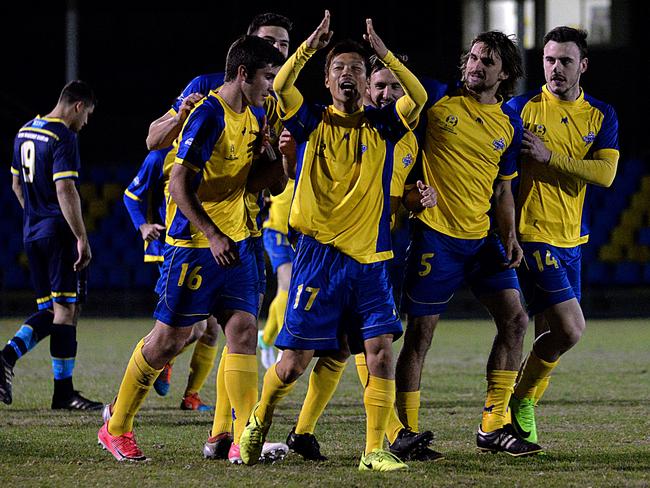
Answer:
(193, 286)
(549, 275)
(438, 264)
(51, 265)
(278, 248)
(258, 245)
(332, 294)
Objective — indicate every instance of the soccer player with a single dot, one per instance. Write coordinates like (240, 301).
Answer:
(383, 89)
(45, 170)
(469, 156)
(281, 254)
(570, 141)
(341, 209)
(144, 200)
(209, 265)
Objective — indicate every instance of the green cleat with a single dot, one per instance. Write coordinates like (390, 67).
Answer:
(251, 441)
(381, 460)
(523, 418)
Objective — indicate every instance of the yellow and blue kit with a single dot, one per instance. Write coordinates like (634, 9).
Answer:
(341, 208)
(466, 147)
(215, 144)
(582, 136)
(276, 229)
(144, 200)
(46, 151)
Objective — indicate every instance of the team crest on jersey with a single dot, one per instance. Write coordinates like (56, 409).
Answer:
(499, 144)
(407, 160)
(233, 155)
(539, 130)
(590, 137)
(449, 124)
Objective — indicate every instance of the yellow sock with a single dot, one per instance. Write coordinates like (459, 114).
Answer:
(379, 399)
(240, 374)
(323, 381)
(541, 388)
(136, 383)
(273, 391)
(222, 410)
(393, 426)
(200, 366)
(362, 368)
(533, 372)
(500, 384)
(408, 408)
(273, 326)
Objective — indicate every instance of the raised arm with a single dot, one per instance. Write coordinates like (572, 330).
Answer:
(410, 105)
(289, 98)
(165, 129)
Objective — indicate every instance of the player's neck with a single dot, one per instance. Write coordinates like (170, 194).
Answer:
(348, 106)
(233, 97)
(488, 97)
(60, 112)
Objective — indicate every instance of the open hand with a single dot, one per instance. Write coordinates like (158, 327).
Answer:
(322, 35)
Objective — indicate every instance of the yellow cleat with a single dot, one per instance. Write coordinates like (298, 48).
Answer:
(381, 460)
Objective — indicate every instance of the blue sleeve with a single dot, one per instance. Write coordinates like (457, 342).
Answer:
(387, 122)
(508, 162)
(201, 84)
(607, 137)
(149, 177)
(304, 121)
(66, 157)
(435, 91)
(201, 132)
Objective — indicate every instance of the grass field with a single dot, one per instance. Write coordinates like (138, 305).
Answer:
(594, 420)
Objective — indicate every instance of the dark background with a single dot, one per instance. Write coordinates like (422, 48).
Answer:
(139, 55)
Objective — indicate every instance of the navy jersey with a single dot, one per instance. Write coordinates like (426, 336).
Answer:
(201, 84)
(145, 199)
(45, 151)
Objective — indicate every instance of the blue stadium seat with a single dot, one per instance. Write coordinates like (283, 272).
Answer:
(627, 273)
(644, 236)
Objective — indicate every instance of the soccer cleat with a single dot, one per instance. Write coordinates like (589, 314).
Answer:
(408, 442)
(234, 454)
(6, 377)
(161, 385)
(251, 441)
(306, 445)
(381, 460)
(523, 418)
(218, 447)
(426, 454)
(193, 402)
(267, 353)
(122, 447)
(506, 440)
(75, 402)
(273, 451)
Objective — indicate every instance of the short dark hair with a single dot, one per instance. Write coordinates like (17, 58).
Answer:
(77, 91)
(269, 18)
(499, 43)
(568, 34)
(253, 53)
(377, 64)
(348, 46)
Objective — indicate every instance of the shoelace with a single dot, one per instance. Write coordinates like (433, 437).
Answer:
(127, 445)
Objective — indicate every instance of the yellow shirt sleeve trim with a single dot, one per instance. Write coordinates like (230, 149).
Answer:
(132, 196)
(65, 174)
(14, 171)
(187, 164)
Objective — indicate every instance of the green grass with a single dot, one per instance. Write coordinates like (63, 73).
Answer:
(594, 420)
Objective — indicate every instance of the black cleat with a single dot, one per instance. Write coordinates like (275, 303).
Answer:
(306, 445)
(506, 440)
(75, 402)
(426, 454)
(407, 442)
(6, 377)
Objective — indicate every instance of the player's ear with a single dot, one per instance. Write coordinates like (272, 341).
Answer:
(78, 106)
(584, 63)
(242, 72)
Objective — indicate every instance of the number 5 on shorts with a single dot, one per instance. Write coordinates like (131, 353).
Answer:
(312, 291)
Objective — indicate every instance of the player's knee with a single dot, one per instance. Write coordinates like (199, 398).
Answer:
(572, 333)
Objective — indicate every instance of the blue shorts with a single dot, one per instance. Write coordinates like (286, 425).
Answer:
(278, 248)
(260, 261)
(437, 265)
(327, 288)
(193, 286)
(51, 266)
(549, 275)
